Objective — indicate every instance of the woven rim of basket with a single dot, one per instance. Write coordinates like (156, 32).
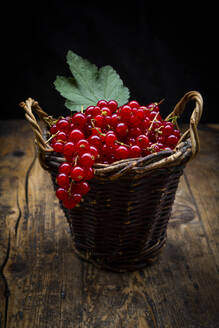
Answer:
(186, 149)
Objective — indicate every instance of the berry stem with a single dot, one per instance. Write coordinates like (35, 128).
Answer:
(51, 137)
(121, 143)
(152, 122)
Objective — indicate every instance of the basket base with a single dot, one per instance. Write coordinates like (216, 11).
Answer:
(127, 265)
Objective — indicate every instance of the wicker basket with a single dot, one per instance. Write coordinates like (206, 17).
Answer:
(121, 224)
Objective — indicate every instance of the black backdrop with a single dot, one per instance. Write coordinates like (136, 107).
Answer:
(159, 51)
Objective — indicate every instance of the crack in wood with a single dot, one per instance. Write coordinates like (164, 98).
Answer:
(19, 217)
(7, 290)
(27, 185)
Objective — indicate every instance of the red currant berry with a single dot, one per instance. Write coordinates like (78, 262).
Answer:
(105, 111)
(83, 187)
(58, 147)
(133, 104)
(61, 136)
(82, 146)
(121, 152)
(142, 141)
(167, 130)
(94, 152)
(135, 132)
(79, 119)
(77, 173)
(176, 133)
(161, 139)
(135, 120)
(62, 125)
(69, 149)
(110, 139)
(112, 104)
(53, 129)
(107, 120)
(99, 121)
(102, 103)
(171, 140)
(76, 135)
(88, 173)
(95, 141)
(125, 112)
(140, 114)
(88, 110)
(135, 151)
(96, 111)
(69, 203)
(61, 193)
(62, 180)
(146, 123)
(115, 120)
(122, 129)
(65, 168)
(77, 197)
(87, 160)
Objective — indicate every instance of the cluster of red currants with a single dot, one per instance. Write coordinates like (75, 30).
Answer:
(105, 133)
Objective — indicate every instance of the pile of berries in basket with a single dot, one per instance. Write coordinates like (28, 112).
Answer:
(106, 133)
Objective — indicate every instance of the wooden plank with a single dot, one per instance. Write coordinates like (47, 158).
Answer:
(50, 287)
(203, 177)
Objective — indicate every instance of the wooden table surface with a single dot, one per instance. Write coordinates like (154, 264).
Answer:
(42, 282)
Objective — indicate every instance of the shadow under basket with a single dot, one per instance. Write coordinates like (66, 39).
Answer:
(122, 221)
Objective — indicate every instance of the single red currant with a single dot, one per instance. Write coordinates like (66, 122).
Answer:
(112, 104)
(79, 119)
(62, 125)
(83, 187)
(58, 147)
(125, 112)
(142, 141)
(82, 146)
(62, 180)
(110, 139)
(167, 130)
(86, 160)
(171, 140)
(133, 104)
(88, 173)
(94, 152)
(95, 140)
(102, 103)
(121, 152)
(105, 111)
(135, 151)
(53, 129)
(69, 203)
(77, 173)
(69, 149)
(76, 135)
(122, 129)
(77, 197)
(65, 168)
(61, 193)
(61, 136)
(98, 121)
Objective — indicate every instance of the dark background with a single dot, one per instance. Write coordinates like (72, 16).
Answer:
(158, 51)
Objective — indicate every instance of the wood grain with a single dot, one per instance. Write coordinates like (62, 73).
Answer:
(43, 284)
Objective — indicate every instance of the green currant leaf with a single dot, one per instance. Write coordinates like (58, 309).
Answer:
(111, 86)
(88, 84)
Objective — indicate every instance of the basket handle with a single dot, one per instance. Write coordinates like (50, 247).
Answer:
(29, 105)
(194, 119)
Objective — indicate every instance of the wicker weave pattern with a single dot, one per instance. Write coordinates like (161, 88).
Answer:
(122, 223)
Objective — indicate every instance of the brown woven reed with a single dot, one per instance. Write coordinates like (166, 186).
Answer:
(121, 224)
